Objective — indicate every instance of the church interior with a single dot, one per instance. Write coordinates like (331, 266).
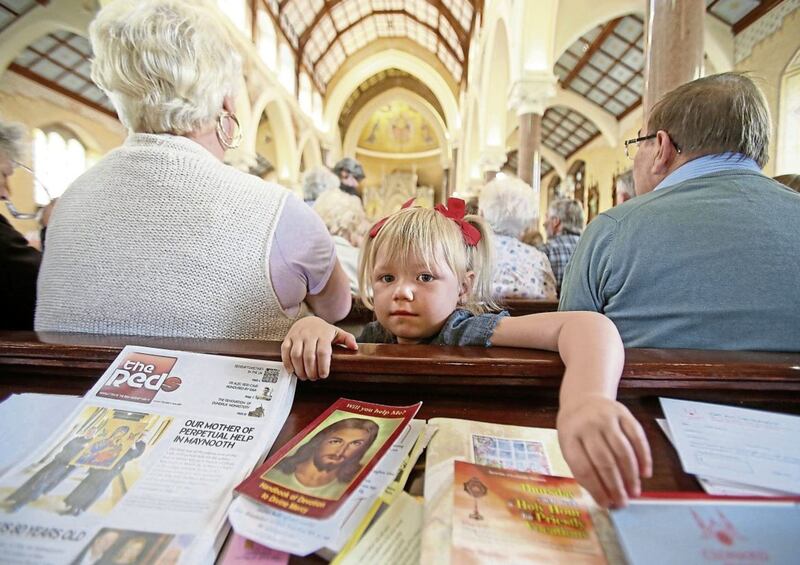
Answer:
(432, 97)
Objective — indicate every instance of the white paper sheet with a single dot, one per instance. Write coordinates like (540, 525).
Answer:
(720, 487)
(31, 418)
(741, 445)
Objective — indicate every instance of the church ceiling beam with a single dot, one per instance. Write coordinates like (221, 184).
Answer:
(607, 30)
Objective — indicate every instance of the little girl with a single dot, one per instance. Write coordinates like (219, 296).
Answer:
(427, 275)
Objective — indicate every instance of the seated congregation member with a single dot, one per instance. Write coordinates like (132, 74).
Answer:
(346, 221)
(19, 262)
(521, 271)
(426, 274)
(624, 188)
(792, 181)
(316, 181)
(564, 227)
(160, 237)
(350, 173)
(705, 256)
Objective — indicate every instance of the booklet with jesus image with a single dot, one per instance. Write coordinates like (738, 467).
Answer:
(507, 516)
(314, 474)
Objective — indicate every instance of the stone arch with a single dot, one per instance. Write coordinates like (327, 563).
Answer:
(309, 152)
(387, 59)
(496, 78)
(280, 117)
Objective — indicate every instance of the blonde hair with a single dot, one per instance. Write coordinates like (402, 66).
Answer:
(342, 213)
(426, 235)
(165, 64)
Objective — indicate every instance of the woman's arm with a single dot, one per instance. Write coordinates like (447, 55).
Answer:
(602, 442)
(334, 301)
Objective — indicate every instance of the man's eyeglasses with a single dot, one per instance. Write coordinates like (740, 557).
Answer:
(10, 205)
(632, 145)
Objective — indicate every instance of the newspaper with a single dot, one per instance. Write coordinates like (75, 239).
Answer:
(143, 469)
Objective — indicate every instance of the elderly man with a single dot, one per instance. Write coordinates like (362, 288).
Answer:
(705, 255)
(624, 188)
(564, 227)
(19, 262)
(350, 173)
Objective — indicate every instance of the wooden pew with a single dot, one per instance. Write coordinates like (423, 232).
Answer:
(360, 315)
(500, 385)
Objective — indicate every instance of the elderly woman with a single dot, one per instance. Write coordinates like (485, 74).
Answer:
(316, 181)
(521, 271)
(346, 221)
(19, 262)
(160, 237)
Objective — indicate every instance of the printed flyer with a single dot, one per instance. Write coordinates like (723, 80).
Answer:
(315, 473)
(506, 516)
(143, 469)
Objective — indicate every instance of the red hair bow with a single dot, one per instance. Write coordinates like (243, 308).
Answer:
(456, 209)
(379, 224)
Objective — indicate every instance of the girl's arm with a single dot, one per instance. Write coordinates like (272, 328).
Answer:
(602, 442)
(306, 350)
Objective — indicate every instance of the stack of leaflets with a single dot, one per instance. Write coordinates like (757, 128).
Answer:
(315, 492)
(143, 468)
(735, 451)
(504, 494)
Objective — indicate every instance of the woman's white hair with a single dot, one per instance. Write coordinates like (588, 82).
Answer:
(318, 180)
(12, 137)
(165, 64)
(507, 204)
(342, 213)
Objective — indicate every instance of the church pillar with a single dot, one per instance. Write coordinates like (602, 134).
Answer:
(529, 97)
(492, 160)
(451, 177)
(673, 47)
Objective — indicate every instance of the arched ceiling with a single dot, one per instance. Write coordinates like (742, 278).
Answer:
(323, 33)
(381, 82)
(61, 62)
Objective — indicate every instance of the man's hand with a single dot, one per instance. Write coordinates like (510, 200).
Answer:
(306, 351)
(606, 449)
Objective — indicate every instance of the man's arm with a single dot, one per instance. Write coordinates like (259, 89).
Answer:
(334, 301)
(589, 268)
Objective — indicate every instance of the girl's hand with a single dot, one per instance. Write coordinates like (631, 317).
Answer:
(606, 449)
(306, 351)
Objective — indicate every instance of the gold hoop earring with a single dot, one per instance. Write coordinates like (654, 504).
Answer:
(228, 141)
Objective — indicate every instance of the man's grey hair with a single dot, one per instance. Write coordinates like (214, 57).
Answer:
(507, 204)
(12, 137)
(625, 184)
(570, 212)
(715, 114)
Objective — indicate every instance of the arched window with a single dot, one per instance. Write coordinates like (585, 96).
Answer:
(788, 161)
(304, 96)
(287, 67)
(267, 41)
(236, 10)
(58, 158)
